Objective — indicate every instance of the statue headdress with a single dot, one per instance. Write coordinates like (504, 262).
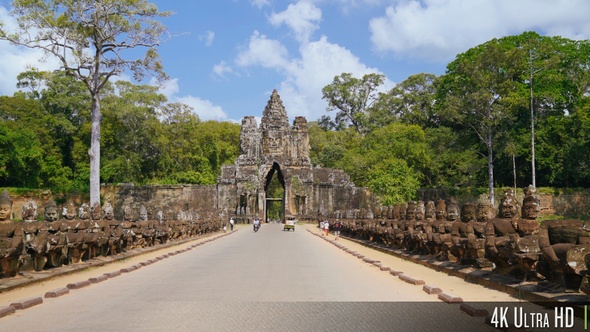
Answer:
(5, 198)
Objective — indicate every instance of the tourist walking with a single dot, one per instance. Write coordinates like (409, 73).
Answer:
(326, 227)
(231, 224)
(336, 227)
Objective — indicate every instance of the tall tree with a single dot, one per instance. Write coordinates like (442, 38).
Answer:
(479, 93)
(93, 40)
(411, 102)
(352, 98)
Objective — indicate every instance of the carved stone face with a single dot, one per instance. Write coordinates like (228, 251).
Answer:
(108, 212)
(143, 214)
(127, 213)
(452, 212)
(402, 212)
(530, 209)
(484, 213)
(508, 209)
(467, 213)
(429, 213)
(95, 212)
(70, 212)
(84, 212)
(5, 211)
(419, 214)
(51, 214)
(30, 211)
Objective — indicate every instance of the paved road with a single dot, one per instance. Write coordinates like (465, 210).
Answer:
(267, 281)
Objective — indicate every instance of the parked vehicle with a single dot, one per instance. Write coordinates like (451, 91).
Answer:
(290, 223)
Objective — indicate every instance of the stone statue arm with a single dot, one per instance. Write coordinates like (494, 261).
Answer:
(490, 232)
(545, 245)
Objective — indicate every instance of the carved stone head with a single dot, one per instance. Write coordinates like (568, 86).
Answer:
(485, 211)
(51, 213)
(452, 211)
(395, 212)
(441, 210)
(508, 205)
(108, 212)
(143, 213)
(429, 212)
(127, 214)
(30, 211)
(5, 206)
(411, 210)
(84, 211)
(468, 212)
(69, 212)
(420, 210)
(96, 211)
(403, 209)
(531, 206)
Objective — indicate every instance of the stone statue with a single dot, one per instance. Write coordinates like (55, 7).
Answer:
(5, 207)
(437, 226)
(84, 211)
(485, 211)
(11, 238)
(56, 238)
(461, 232)
(444, 228)
(143, 213)
(51, 213)
(69, 212)
(511, 242)
(95, 211)
(30, 211)
(127, 213)
(108, 212)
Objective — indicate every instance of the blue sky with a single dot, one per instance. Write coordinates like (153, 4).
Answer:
(227, 56)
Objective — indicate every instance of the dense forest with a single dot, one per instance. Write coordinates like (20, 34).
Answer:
(510, 112)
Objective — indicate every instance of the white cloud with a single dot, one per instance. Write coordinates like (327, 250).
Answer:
(208, 38)
(263, 52)
(438, 30)
(203, 108)
(305, 76)
(220, 69)
(17, 59)
(168, 88)
(301, 17)
(260, 3)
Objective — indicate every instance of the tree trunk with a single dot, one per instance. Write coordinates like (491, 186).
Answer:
(94, 152)
(490, 168)
(531, 100)
(514, 170)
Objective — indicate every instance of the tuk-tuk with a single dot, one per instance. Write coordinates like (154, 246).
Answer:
(290, 223)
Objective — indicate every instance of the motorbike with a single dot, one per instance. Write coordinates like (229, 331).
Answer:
(256, 227)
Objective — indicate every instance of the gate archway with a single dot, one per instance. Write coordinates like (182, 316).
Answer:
(274, 192)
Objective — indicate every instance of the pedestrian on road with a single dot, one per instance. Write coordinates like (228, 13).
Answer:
(231, 224)
(326, 227)
(336, 228)
(322, 228)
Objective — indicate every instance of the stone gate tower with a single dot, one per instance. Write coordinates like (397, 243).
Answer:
(279, 149)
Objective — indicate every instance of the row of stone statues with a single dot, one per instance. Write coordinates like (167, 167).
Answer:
(512, 242)
(83, 233)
